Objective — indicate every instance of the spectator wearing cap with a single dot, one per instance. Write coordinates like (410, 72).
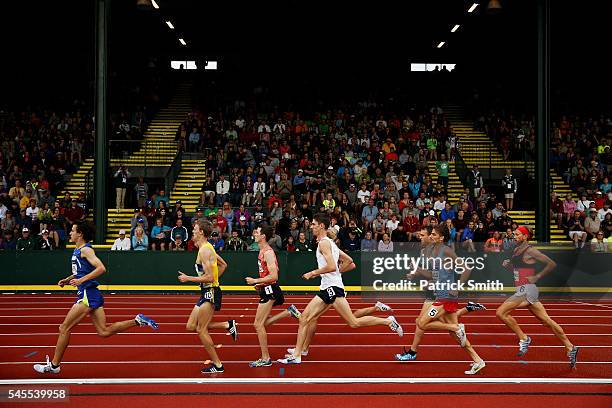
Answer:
(178, 206)
(198, 215)
(141, 191)
(122, 243)
(43, 242)
(75, 213)
(299, 181)
(140, 240)
(26, 241)
(179, 243)
(600, 200)
(222, 189)
(592, 224)
(243, 228)
(138, 215)
(217, 241)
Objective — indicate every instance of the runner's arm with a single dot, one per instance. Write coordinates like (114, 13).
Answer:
(330, 265)
(540, 257)
(270, 259)
(448, 252)
(346, 262)
(221, 265)
(207, 277)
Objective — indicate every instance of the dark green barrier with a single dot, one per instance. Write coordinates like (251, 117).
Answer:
(576, 269)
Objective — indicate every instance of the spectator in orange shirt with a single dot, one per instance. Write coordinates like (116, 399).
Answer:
(494, 244)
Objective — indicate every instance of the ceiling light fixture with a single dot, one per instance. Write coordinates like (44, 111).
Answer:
(455, 28)
(472, 8)
(154, 4)
(441, 44)
(182, 41)
(170, 24)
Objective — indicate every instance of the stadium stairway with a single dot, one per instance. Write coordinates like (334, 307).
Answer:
(76, 184)
(475, 147)
(188, 185)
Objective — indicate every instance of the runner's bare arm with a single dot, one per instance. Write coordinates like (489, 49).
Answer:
(346, 262)
(99, 268)
(221, 265)
(205, 255)
(270, 258)
(540, 257)
(330, 265)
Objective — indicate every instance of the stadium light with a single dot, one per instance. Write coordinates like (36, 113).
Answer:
(472, 8)
(154, 3)
(494, 7)
(441, 44)
(455, 28)
(169, 23)
(182, 41)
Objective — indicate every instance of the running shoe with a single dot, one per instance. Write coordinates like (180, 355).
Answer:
(461, 336)
(294, 311)
(395, 326)
(292, 350)
(290, 360)
(382, 307)
(473, 306)
(261, 363)
(48, 368)
(213, 369)
(143, 320)
(573, 356)
(232, 328)
(406, 356)
(524, 346)
(476, 367)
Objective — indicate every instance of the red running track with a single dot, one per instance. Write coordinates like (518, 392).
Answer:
(28, 331)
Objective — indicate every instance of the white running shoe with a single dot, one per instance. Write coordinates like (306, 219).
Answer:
(290, 360)
(395, 326)
(46, 368)
(524, 346)
(476, 367)
(382, 307)
(292, 350)
(461, 336)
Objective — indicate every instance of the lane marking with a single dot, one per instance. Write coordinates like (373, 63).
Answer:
(199, 362)
(293, 334)
(322, 346)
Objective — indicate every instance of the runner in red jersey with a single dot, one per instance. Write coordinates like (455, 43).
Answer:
(270, 294)
(523, 264)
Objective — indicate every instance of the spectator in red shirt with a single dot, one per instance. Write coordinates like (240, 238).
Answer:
(75, 213)
(221, 221)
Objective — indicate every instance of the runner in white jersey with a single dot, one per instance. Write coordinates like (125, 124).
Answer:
(332, 291)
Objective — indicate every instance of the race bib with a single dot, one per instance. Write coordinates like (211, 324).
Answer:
(268, 290)
(208, 295)
(331, 292)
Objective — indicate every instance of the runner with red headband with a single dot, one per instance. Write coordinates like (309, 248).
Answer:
(523, 264)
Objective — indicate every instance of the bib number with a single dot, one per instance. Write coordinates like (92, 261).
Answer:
(330, 292)
(432, 312)
(74, 269)
(208, 295)
(522, 289)
(516, 276)
(268, 290)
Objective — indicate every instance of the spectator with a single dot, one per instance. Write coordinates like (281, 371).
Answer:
(302, 243)
(121, 178)
(159, 239)
(467, 237)
(44, 243)
(385, 245)
(576, 231)
(398, 234)
(8, 244)
(510, 186)
(604, 211)
(26, 242)
(17, 192)
(442, 168)
(495, 243)
(592, 224)
(599, 243)
(179, 229)
(474, 180)
(8, 223)
(369, 214)
(289, 244)
(351, 242)
(217, 241)
(208, 191)
(222, 189)
(122, 243)
(162, 197)
(178, 244)
(235, 243)
(508, 242)
(142, 192)
(140, 240)
(368, 244)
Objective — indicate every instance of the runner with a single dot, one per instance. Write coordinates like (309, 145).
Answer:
(523, 264)
(86, 268)
(426, 245)
(343, 267)
(442, 313)
(209, 266)
(332, 291)
(270, 293)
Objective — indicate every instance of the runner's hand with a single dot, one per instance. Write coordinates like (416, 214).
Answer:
(75, 282)
(250, 281)
(308, 275)
(183, 278)
(506, 263)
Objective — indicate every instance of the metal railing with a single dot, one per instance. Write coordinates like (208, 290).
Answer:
(173, 171)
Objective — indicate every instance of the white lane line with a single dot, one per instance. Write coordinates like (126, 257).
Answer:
(329, 315)
(594, 304)
(564, 362)
(322, 346)
(353, 333)
(295, 324)
(312, 380)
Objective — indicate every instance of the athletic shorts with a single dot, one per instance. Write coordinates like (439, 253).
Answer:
(211, 295)
(330, 294)
(90, 297)
(271, 292)
(509, 195)
(529, 292)
(450, 306)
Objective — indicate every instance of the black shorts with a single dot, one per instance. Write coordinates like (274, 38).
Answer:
(211, 295)
(271, 292)
(330, 294)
